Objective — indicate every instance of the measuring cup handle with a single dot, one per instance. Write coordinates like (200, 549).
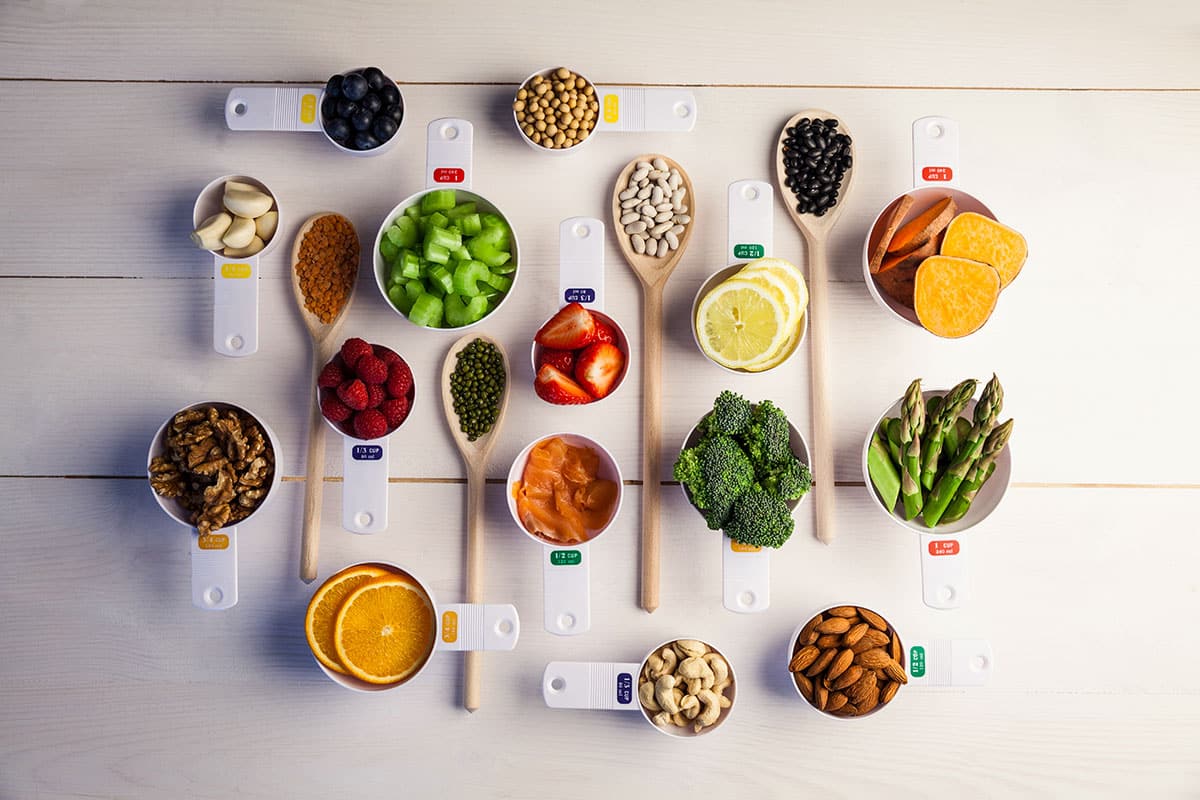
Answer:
(581, 262)
(448, 153)
(235, 306)
(633, 108)
(566, 599)
(949, 662)
(944, 582)
(591, 685)
(364, 485)
(935, 151)
(475, 626)
(745, 577)
(214, 569)
(751, 232)
(268, 108)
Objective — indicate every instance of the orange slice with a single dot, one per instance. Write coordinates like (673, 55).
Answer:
(384, 631)
(323, 608)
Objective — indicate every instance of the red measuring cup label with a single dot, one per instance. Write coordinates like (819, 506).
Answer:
(943, 547)
(449, 175)
(937, 174)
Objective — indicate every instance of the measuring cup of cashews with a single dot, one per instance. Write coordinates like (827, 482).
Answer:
(683, 687)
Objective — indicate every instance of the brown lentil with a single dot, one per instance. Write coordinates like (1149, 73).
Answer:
(556, 109)
(327, 265)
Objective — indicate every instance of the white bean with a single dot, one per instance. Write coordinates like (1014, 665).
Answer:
(639, 244)
(651, 247)
(676, 229)
(658, 230)
(682, 219)
(628, 193)
(643, 193)
(672, 240)
(630, 203)
(648, 210)
(676, 180)
(646, 165)
(639, 174)
(656, 195)
(664, 206)
(665, 218)
(635, 227)
(658, 163)
(629, 216)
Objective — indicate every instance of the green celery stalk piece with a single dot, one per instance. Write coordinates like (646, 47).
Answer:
(388, 249)
(396, 275)
(436, 220)
(427, 310)
(884, 475)
(442, 237)
(441, 276)
(414, 289)
(400, 298)
(468, 275)
(436, 253)
(470, 224)
(404, 232)
(437, 200)
(461, 210)
(460, 313)
(413, 212)
(501, 282)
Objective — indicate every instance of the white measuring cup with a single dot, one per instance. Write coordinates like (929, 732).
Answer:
(626, 109)
(460, 627)
(581, 280)
(235, 280)
(749, 236)
(927, 661)
(613, 686)
(567, 604)
(745, 568)
(935, 175)
(944, 575)
(448, 160)
(214, 555)
(289, 109)
(365, 473)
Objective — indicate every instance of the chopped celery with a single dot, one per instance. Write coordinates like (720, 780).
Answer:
(470, 224)
(395, 275)
(507, 268)
(436, 253)
(461, 210)
(467, 275)
(459, 314)
(461, 253)
(387, 249)
(443, 238)
(400, 298)
(501, 282)
(413, 212)
(437, 200)
(436, 220)
(426, 310)
(410, 265)
(414, 289)
(403, 232)
(440, 276)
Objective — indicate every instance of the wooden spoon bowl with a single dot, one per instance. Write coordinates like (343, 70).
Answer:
(811, 224)
(651, 270)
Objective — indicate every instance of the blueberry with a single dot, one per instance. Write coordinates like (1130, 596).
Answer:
(374, 76)
(338, 129)
(371, 102)
(365, 141)
(362, 120)
(346, 108)
(329, 107)
(395, 112)
(354, 87)
(389, 94)
(384, 128)
(334, 87)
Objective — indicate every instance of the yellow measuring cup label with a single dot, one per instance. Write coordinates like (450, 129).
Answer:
(235, 270)
(738, 547)
(449, 627)
(213, 541)
(308, 108)
(611, 108)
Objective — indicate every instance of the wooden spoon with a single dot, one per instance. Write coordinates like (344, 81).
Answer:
(816, 232)
(324, 337)
(653, 272)
(474, 455)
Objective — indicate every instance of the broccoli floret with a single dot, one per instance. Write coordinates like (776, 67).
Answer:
(727, 474)
(760, 518)
(730, 415)
(791, 481)
(687, 472)
(767, 440)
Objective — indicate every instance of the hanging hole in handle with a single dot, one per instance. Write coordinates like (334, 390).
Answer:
(979, 663)
(449, 132)
(239, 108)
(235, 342)
(946, 594)
(363, 519)
(566, 621)
(750, 193)
(682, 110)
(935, 130)
(213, 595)
(558, 684)
(582, 231)
(746, 599)
(504, 627)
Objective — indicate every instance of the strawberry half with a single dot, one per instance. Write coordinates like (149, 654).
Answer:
(604, 331)
(562, 360)
(571, 328)
(555, 387)
(598, 367)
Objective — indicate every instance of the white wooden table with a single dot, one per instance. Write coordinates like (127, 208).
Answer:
(1079, 122)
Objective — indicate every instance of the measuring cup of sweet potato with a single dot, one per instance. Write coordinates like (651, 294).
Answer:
(539, 480)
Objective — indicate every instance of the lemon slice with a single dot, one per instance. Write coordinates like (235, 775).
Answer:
(784, 352)
(740, 323)
(784, 271)
(780, 288)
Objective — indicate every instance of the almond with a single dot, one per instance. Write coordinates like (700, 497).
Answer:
(847, 678)
(843, 660)
(843, 611)
(869, 702)
(834, 625)
(877, 622)
(848, 710)
(861, 690)
(875, 658)
(809, 628)
(854, 634)
(805, 685)
(836, 700)
(895, 672)
(820, 696)
(829, 640)
(804, 657)
(888, 692)
(808, 638)
(823, 661)
(896, 649)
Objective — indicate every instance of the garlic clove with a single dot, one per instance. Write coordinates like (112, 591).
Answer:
(208, 234)
(265, 225)
(256, 244)
(249, 203)
(240, 233)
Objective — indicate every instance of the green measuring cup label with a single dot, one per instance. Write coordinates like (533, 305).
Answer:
(566, 558)
(916, 662)
(748, 251)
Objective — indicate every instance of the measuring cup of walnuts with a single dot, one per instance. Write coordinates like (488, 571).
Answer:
(211, 466)
(557, 110)
(683, 687)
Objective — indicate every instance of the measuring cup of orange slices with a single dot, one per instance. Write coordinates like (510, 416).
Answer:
(374, 626)
(564, 490)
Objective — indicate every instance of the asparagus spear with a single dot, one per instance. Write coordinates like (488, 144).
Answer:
(980, 472)
(892, 432)
(912, 423)
(931, 447)
(883, 471)
(986, 411)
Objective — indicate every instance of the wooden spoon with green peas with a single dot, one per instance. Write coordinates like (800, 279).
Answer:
(474, 454)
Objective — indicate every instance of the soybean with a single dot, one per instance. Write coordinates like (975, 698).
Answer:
(556, 109)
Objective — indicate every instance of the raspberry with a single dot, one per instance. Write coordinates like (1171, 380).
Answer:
(400, 380)
(333, 409)
(375, 395)
(388, 356)
(354, 394)
(371, 369)
(331, 376)
(395, 411)
(370, 424)
(353, 349)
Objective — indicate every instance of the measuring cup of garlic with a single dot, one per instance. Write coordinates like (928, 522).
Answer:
(683, 687)
(746, 569)
(750, 236)
(565, 563)
(233, 448)
(581, 280)
(558, 110)
(235, 218)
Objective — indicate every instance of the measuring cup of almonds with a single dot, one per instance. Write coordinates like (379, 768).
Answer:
(565, 465)
(235, 218)
(683, 687)
(580, 355)
(211, 466)
(557, 110)
(848, 662)
(751, 316)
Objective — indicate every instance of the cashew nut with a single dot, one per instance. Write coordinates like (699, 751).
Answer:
(711, 709)
(719, 667)
(654, 665)
(697, 673)
(646, 695)
(720, 686)
(678, 721)
(664, 694)
(669, 661)
(690, 706)
(662, 719)
(686, 648)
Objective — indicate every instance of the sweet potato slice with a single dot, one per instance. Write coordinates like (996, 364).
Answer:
(889, 230)
(979, 238)
(923, 227)
(899, 283)
(955, 296)
(910, 259)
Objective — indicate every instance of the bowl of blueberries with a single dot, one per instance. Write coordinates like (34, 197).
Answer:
(361, 111)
